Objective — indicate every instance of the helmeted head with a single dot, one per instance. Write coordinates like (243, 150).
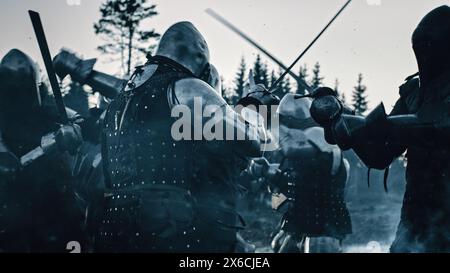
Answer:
(431, 44)
(184, 44)
(294, 112)
(19, 82)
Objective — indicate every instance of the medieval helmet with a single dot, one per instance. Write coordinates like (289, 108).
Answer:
(184, 44)
(19, 82)
(431, 43)
(295, 112)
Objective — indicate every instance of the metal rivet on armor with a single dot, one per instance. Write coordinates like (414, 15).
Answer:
(154, 94)
(188, 246)
(124, 196)
(146, 107)
(184, 232)
(193, 228)
(115, 209)
(164, 182)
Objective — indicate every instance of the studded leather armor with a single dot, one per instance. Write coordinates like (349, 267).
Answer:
(148, 204)
(317, 196)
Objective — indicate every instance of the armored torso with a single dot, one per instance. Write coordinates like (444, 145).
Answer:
(146, 171)
(317, 195)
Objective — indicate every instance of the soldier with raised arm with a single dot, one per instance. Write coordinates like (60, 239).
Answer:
(153, 178)
(418, 124)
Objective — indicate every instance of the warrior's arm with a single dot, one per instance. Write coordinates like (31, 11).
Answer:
(195, 94)
(82, 71)
(379, 152)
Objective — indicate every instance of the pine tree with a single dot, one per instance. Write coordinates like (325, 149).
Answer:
(303, 75)
(239, 81)
(317, 80)
(260, 72)
(359, 99)
(119, 27)
(284, 86)
(273, 78)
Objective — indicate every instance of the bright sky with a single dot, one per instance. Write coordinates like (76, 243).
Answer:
(371, 36)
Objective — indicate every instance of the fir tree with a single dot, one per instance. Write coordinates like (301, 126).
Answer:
(260, 72)
(119, 27)
(316, 80)
(359, 99)
(239, 81)
(303, 75)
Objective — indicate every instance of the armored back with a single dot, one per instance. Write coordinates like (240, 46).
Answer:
(138, 145)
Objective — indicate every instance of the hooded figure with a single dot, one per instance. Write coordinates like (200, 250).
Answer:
(156, 177)
(37, 204)
(418, 124)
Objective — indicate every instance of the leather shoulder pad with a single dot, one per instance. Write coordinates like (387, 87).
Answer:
(140, 76)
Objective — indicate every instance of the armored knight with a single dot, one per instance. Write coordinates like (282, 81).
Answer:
(153, 183)
(419, 124)
(309, 184)
(37, 208)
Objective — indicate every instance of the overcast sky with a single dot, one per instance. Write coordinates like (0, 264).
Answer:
(371, 37)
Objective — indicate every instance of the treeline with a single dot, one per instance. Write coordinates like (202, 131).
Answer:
(314, 78)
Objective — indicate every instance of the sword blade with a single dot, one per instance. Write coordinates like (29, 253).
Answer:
(244, 36)
(45, 52)
(309, 46)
